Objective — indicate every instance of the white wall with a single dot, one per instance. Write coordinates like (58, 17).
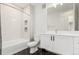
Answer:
(40, 20)
(13, 28)
(11, 23)
(27, 16)
(32, 22)
(0, 31)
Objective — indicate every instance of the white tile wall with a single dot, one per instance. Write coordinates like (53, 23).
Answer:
(11, 23)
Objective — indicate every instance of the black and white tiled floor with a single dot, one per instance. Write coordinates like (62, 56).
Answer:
(43, 52)
(39, 52)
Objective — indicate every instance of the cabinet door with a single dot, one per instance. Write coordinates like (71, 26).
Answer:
(76, 45)
(46, 42)
(63, 45)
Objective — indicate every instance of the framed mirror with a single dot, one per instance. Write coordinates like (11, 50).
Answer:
(62, 17)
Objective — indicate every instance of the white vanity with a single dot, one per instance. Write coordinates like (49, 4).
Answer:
(62, 23)
(65, 43)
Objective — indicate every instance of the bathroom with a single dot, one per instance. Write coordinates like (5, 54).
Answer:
(39, 28)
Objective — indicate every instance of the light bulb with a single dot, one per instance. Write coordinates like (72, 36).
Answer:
(54, 5)
(61, 3)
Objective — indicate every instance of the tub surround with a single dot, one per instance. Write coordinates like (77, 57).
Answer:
(14, 37)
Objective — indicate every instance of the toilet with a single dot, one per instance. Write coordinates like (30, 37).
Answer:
(33, 45)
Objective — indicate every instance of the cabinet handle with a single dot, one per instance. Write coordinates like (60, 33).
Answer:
(53, 38)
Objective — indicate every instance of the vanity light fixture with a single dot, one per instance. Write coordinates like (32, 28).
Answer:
(54, 5)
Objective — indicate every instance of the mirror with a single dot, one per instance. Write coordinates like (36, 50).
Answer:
(60, 17)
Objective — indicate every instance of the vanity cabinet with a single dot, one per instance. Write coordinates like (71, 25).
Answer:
(76, 45)
(63, 45)
(58, 44)
(46, 42)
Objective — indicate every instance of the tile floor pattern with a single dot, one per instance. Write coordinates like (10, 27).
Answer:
(39, 52)
(43, 52)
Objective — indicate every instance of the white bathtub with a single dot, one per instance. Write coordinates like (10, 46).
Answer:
(13, 46)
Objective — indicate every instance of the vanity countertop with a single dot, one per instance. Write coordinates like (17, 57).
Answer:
(64, 33)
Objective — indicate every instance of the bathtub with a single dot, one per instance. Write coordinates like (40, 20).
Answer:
(13, 46)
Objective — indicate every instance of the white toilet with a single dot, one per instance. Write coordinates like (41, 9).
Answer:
(33, 45)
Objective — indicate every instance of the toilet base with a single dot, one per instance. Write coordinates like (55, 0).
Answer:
(33, 50)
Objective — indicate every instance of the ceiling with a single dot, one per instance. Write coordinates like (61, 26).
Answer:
(23, 5)
(60, 8)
